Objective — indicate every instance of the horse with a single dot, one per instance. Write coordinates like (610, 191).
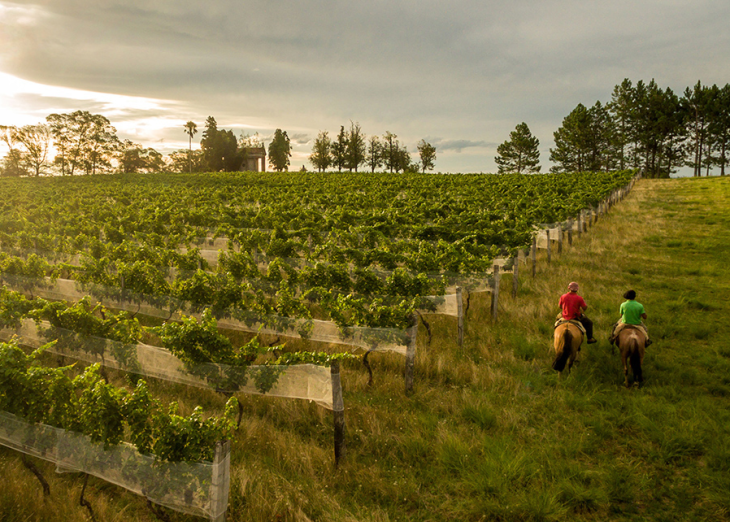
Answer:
(632, 342)
(566, 340)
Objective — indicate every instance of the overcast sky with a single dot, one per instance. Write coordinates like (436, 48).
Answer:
(460, 74)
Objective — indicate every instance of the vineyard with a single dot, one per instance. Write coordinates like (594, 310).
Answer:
(238, 283)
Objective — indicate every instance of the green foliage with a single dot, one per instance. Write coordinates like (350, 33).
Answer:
(87, 404)
(280, 151)
(520, 153)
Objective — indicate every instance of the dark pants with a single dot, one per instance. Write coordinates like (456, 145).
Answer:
(588, 325)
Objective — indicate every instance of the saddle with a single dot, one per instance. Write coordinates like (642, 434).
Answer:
(574, 322)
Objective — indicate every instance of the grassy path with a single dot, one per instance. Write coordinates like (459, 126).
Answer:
(490, 432)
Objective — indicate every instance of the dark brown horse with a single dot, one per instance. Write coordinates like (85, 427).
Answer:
(632, 342)
(566, 340)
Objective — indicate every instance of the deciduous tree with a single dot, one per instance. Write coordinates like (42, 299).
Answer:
(321, 157)
(280, 151)
(375, 153)
(355, 148)
(427, 153)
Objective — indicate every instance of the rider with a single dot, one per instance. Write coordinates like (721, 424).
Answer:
(573, 307)
(632, 312)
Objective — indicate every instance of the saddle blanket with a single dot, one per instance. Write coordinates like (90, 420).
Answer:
(574, 322)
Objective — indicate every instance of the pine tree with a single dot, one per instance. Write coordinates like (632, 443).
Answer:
(520, 153)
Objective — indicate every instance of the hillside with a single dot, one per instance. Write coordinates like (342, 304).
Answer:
(491, 432)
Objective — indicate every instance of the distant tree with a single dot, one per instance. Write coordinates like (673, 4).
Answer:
(375, 153)
(220, 148)
(623, 113)
(182, 161)
(321, 157)
(700, 104)
(390, 151)
(249, 141)
(83, 141)
(720, 129)
(134, 158)
(191, 129)
(280, 151)
(36, 139)
(583, 142)
(12, 163)
(427, 153)
(355, 149)
(338, 149)
(402, 160)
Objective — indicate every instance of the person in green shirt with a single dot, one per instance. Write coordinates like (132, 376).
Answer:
(632, 313)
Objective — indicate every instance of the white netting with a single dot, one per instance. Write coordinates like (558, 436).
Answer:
(199, 489)
(377, 339)
(304, 381)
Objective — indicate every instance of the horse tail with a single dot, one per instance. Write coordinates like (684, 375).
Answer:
(635, 359)
(562, 358)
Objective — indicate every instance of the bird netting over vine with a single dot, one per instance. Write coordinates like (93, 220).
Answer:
(367, 338)
(199, 488)
(303, 381)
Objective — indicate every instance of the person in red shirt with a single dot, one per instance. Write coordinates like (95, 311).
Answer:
(573, 306)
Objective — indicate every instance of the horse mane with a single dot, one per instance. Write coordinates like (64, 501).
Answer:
(562, 358)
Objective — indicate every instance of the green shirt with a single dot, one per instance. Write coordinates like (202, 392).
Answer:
(631, 312)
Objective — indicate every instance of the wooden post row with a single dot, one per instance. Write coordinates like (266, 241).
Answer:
(338, 412)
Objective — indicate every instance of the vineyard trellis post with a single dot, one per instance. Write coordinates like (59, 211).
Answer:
(580, 223)
(570, 232)
(221, 480)
(533, 255)
(460, 314)
(515, 266)
(338, 412)
(547, 235)
(560, 239)
(411, 356)
(495, 292)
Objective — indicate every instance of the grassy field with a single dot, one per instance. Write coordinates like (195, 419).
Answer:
(491, 432)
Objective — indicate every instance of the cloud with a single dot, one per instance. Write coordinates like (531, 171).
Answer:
(466, 68)
(458, 145)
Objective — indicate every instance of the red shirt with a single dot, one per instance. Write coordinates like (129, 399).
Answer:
(571, 303)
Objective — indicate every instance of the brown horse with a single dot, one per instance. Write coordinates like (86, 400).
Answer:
(566, 340)
(631, 342)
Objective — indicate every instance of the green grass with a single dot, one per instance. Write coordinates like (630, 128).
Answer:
(491, 432)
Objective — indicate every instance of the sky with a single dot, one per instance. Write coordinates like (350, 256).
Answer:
(459, 74)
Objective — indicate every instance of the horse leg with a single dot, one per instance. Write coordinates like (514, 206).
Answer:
(624, 357)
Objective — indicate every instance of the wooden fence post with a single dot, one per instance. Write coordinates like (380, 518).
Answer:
(495, 292)
(338, 412)
(411, 356)
(560, 239)
(515, 266)
(570, 232)
(580, 224)
(533, 254)
(220, 483)
(460, 314)
(547, 234)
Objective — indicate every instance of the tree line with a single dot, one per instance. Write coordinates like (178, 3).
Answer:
(85, 143)
(642, 126)
(352, 149)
